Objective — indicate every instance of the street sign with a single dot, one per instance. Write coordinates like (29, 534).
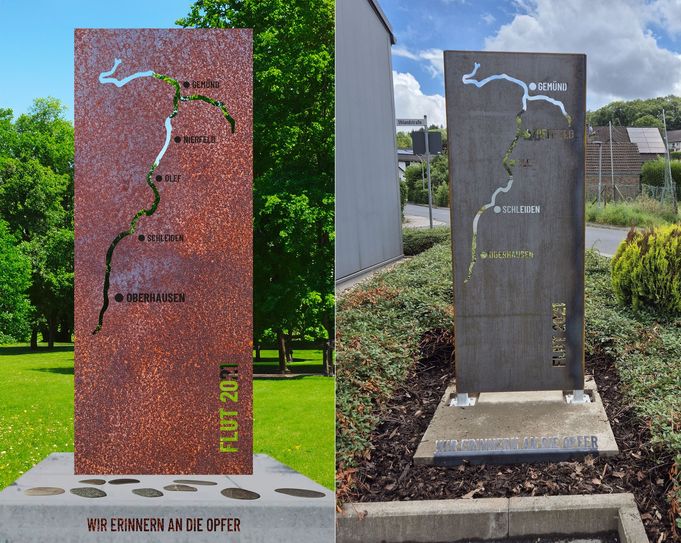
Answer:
(410, 122)
(418, 142)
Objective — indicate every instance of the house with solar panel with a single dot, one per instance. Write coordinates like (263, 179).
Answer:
(617, 160)
(674, 140)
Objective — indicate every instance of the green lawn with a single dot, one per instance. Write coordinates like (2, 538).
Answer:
(304, 361)
(293, 418)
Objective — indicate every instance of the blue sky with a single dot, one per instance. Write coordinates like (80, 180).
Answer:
(633, 47)
(36, 40)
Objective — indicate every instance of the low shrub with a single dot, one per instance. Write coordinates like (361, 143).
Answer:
(404, 190)
(646, 270)
(379, 324)
(441, 195)
(417, 240)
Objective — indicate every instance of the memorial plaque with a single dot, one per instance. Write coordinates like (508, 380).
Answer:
(163, 262)
(516, 154)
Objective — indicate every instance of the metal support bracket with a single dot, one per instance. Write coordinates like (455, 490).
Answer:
(577, 397)
(462, 399)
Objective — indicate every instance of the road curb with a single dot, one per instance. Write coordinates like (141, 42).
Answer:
(434, 521)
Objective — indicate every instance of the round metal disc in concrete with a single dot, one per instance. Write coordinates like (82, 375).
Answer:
(239, 494)
(44, 491)
(93, 481)
(179, 488)
(300, 492)
(148, 492)
(88, 492)
(123, 481)
(194, 482)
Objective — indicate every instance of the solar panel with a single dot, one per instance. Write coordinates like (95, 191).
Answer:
(647, 139)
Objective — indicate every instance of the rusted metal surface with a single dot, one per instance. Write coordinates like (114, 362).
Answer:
(516, 154)
(148, 376)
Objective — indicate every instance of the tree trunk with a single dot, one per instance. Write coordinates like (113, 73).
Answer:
(51, 332)
(281, 344)
(64, 333)
(325, 359)
(257, 352)
(289, 348)
(34, 339)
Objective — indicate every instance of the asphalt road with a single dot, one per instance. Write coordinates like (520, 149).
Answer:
(604, 240)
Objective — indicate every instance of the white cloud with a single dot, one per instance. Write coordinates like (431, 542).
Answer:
(624, 60)
(403, 52)
(433, 58)
(412, 103)
(488, 18)
(669, 14)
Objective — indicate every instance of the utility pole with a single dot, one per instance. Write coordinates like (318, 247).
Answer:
(612, 167)
(668, 180)
(600, 170)
(430, 189)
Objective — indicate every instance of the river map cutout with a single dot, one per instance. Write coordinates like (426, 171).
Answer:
(163, 260)
(516, 151)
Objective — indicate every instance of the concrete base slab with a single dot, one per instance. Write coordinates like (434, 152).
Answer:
(546, 518)
(50, 503)
(515, 427)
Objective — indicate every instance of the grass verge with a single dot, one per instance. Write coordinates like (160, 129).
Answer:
(293, 418)
(642, 212)
(380, 323)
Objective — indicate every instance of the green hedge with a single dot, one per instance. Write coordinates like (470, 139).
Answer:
(417, 240)
(646, 270)
(652, 173)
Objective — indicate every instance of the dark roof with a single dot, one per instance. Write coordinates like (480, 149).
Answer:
(602, 133)
(648, 140)
(384, 19)
(625, 157)
(673, 135)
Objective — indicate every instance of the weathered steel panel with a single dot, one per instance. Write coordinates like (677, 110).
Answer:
(516, 149)
(163, 262)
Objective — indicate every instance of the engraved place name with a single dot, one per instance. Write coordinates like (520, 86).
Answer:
(558, 335)
(507, 255)
(202, 84)
(537, 134)
(530, 209)
(162, 238)
(513, 444)
(168, 178)
(550, 86)
(229, 398)
(199, 139)
(155, 297)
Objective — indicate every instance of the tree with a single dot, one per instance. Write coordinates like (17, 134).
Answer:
(625, 113)
(15, 279)
(648, 121)
(36, 202)
(403, 140)
(52, 286)
(293, 134)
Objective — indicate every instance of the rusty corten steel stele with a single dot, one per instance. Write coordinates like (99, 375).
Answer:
(163, 262)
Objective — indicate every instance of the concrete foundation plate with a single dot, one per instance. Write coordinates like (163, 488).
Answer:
(515, 427)
(50, 503)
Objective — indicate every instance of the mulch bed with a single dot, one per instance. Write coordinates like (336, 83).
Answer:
(387, 472)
